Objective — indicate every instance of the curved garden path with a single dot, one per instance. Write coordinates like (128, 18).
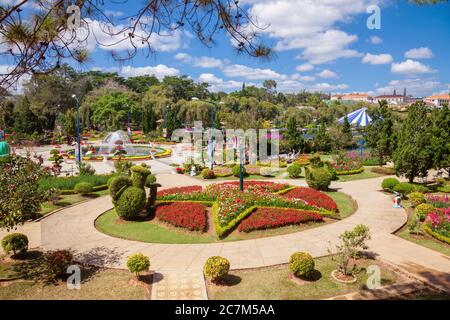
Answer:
(74, 228)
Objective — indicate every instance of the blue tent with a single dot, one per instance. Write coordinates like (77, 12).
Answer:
(358, 117)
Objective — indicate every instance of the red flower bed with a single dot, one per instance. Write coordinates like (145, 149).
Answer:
(266, 218)
(312, 197)
(266, 185)
(187, 215)
(179, 190)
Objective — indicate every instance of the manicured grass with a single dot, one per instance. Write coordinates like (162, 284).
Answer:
(366, 174)
(157, 232)
(424, 239)
(273, 283)
(67, 200)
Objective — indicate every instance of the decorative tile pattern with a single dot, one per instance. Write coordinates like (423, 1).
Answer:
(176, 285)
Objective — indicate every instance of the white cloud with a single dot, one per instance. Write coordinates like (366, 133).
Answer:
(415, 86)
(327, 74)
(410, 67)
(377, 58)
(17, 87)
(159, 71)
(207, 62)
(419, 53)
(238, 70)
(218, 84)
(183, 56)
(304, 67)
(299, 77)
(311, 26)
(375, 40)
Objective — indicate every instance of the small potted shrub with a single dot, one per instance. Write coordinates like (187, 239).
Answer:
(15, 242)
(138, 263)
(302, 265)
(84, 188)
(216, 268)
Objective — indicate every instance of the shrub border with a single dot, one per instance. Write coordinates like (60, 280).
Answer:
(349, 172)
(436, 235)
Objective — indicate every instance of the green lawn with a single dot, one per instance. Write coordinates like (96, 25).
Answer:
(367, 174)
(157, 232)
(97, 284)
(67, 200)
(273, 283)
(424, 239)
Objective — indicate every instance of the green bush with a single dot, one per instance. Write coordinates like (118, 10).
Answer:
(84, 188)
(139, 175)
(318, 178)
(383, 170)
(131, 203)
(56, 264)
(138, 263)
(208, 174)
(85, 169)
(406, 188)
(117, 185)
(332, 170)
(423, 209)
(236, 170)
(416, 198)
(389, 184)
(151, 179)
(216, 268)
(69, 183)
(294, 171)
(266, 172)
(315, 161)
(302, 265)
(123, 167)
(282, 164)
(15, 242)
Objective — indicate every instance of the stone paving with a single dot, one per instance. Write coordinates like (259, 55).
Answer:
(179, 285)
(74, 228)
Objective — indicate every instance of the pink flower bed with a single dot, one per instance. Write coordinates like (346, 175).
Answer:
(179, 190)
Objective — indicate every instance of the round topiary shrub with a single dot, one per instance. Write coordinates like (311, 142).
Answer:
(15, 242)
(423, 209)
(416, 198)
(332, 170)
(131, 203)
(208, 174)
(315, 160)
(84, 188)
(118, 184)
(138, 263)
(404, 188)
(151, 179)
(318, 178)
(389, 184)
(139, 175)
(294, 171)
(216, 268)
(302, 265)
(237, 169)
(266, 171)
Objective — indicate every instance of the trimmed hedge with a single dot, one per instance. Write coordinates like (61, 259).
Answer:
(69, 183)
(216, 268)
(435, 234)
(383, 170)
(318, 178)
(118, 184)
(84, 188)
(237, 170)
(224, 230)
(295, 171)
(208, 174)
(349, 172)
(406, 188)
(138, 263)
(389, 184)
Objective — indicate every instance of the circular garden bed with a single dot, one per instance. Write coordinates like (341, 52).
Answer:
(221, 212)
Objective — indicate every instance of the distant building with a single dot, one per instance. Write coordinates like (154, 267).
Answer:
(393, 98)
(357, 97)
(438, 100)
(336, 97)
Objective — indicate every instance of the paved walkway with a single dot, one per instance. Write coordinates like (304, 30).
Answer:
(74, 228)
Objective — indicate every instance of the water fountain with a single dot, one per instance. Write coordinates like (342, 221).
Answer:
(117, 141)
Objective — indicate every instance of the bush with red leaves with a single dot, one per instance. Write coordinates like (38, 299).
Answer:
(188, 215)
(313, 198)
(266, 218)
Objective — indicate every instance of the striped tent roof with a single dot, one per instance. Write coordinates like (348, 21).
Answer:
(358, 117)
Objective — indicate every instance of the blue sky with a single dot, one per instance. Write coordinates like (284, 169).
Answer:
(322, 45)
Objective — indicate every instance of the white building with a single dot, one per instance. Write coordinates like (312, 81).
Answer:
(438, 99)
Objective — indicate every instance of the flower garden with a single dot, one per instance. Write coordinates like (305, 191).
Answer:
(220, 210)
